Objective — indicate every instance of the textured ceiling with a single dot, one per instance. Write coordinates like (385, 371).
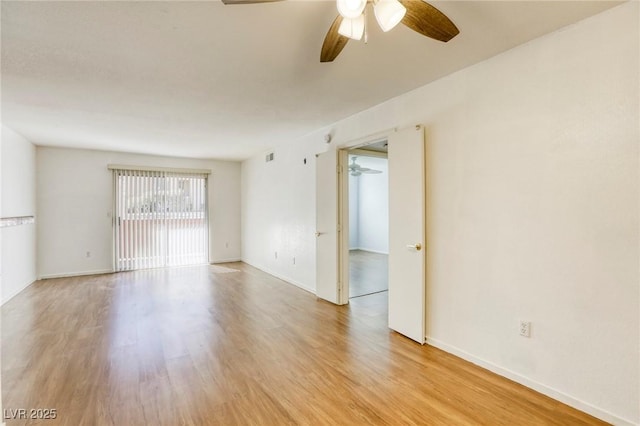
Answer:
(200, 79)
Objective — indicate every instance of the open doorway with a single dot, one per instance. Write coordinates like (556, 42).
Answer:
(405, 300)
(368, 193)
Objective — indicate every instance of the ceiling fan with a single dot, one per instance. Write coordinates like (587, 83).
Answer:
(357, 169)
(351, 21)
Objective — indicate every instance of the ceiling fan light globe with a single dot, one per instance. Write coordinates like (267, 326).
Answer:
(389, 13)
(352, 28)
(351, 9)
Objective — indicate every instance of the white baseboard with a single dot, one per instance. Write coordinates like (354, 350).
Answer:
(532, 384)
(282, 277)
(233, 259)
(76, 274)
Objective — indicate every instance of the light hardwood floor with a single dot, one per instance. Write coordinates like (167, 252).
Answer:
(368, 273)
(208, 345)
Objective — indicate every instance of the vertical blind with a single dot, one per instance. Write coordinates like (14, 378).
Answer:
(160, 219)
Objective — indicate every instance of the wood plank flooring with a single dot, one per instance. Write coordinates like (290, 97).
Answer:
(368, 273)
(212, 345)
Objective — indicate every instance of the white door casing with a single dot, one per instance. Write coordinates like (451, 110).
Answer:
(327, 253)
(407, 207)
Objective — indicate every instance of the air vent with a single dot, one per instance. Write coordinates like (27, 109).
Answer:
(269, 157)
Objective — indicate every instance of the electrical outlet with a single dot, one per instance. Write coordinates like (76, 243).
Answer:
(88, 254)
(525, 328)
(226, 245)
(294, 260)
(276, 254)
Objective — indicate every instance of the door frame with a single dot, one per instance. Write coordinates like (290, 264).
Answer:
(343, 206)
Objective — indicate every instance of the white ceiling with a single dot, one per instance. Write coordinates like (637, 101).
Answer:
(200, 79)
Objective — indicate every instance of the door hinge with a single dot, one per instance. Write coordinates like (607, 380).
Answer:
(338, 169)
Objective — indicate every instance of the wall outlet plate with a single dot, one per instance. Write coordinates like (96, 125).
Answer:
(525, 328)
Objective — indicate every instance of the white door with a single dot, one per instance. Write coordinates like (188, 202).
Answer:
(327, 226)
(407, 233)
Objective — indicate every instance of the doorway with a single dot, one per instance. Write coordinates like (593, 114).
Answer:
(368, 194)
(406, 293)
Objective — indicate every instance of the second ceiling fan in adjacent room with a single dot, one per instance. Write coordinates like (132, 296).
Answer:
(356, 169)
(351, 22)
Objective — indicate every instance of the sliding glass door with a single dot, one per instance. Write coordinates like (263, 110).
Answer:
(161, 219)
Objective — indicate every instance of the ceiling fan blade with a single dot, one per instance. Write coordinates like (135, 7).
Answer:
(230, 2)
(371, 171)
(333, 42)
(428, 21)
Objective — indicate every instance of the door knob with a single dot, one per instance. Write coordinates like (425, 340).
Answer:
(318, 234)
(417, 246)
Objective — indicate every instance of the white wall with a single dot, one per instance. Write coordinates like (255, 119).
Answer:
(278, 214)
(18, 199)
(373, 206)
(75, 191)
(532, 210)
